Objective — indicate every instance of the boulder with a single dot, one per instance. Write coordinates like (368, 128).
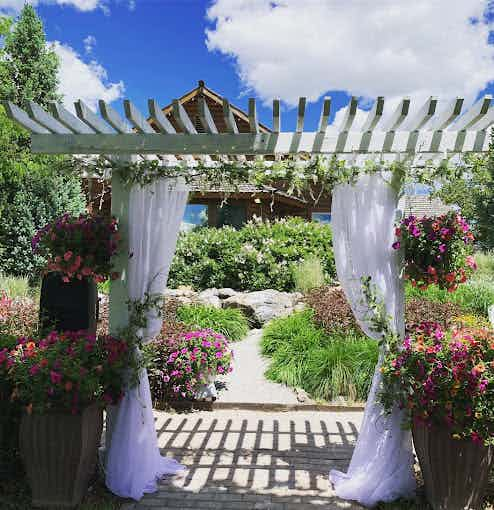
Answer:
(264, 305)
(209, 297)
(226, 293)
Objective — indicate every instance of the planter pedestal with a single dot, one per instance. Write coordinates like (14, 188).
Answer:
(59, 452)
(71, 306)
(455, 472)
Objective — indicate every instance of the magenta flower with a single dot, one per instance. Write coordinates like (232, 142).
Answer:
(55, 377)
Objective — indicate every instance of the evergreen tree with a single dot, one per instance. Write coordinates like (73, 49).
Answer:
(33, 191)
(32, 67)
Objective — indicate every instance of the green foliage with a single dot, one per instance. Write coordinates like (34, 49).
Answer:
(261, 255)
(485, 265)
(15, 287)
(325, 365)
(473, 297)
(308, 274)
(472, 189)
(229, 322)
(32, 68)
(31, 201)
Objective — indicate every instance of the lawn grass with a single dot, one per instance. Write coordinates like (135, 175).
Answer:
(325, 365)
(229, 322)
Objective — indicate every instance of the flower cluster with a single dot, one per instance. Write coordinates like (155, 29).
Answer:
(79, 247)
(66, 371)
(444, 379)
(437, 250)
(180, 365)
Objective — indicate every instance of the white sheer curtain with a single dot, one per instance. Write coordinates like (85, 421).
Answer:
(363, 218)
(134, 462)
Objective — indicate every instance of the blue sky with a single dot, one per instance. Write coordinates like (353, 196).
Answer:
(160, 48)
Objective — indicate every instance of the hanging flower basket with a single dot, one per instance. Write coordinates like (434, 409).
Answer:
(79, 248)
(437, 251)
(444, 380)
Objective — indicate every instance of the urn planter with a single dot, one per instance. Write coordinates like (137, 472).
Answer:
(68, 306)
(59, 452)
(455, 472)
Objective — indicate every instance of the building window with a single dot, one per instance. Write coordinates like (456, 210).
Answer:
(196, 215)
(321, 217)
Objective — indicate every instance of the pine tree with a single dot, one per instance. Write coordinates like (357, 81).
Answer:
(31, 66)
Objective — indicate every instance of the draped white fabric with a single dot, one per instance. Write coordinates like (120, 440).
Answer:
(134, 462)
(363, 218)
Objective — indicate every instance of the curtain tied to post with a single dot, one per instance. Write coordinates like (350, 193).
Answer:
(363, 217)
(134, 463)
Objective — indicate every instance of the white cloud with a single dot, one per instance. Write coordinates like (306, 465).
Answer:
(14, 6)
(82, 80)
(89, 43)
(291, 48)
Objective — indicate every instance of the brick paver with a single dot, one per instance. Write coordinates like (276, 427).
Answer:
(253, 460)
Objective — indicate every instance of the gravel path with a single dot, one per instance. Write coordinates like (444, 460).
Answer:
(242, 460)
(247, 384)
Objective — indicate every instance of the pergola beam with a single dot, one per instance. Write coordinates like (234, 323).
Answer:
(428, 134)
(236, 144)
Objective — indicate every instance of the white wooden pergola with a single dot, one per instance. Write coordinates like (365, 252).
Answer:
(429, 134)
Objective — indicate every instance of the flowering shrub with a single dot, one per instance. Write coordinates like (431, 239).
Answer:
(180, 365)
(444, 379)
(437, 250)
(66, 371)
(17, 315)
(79, 247)
(260, 255)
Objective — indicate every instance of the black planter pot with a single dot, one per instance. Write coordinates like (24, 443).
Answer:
(71, 306)
(59, 452)
(455, 472)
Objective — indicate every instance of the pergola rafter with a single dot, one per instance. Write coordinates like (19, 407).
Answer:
(430, 134)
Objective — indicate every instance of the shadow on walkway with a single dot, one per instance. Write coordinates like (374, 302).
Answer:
(245, 459)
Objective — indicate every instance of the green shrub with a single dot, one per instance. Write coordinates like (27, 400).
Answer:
(259, 256)
(34, 198)
(325, 365)
(473, 297)
(308, 274)
(230, 322)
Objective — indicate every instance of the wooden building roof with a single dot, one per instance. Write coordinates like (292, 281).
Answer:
(215, 103)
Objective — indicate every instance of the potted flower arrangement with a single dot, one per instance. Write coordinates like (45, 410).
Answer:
(179, 367)
(78, 253)
(63, 381)
(9, 411)
(437, 251)
(444, 380)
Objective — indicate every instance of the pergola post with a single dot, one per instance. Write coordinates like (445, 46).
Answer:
(119, 294)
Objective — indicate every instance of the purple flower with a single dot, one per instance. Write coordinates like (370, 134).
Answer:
(396, 245)
(442, 248)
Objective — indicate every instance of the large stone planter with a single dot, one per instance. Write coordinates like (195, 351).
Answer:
(455, 472)
(71, 306)
(59, 452)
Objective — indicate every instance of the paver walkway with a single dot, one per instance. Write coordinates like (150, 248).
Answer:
(242, 460)
(247, 384)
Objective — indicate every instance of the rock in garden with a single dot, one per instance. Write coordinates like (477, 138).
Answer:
(264, 305)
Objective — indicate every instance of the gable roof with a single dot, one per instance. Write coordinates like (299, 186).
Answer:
(215, 105)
